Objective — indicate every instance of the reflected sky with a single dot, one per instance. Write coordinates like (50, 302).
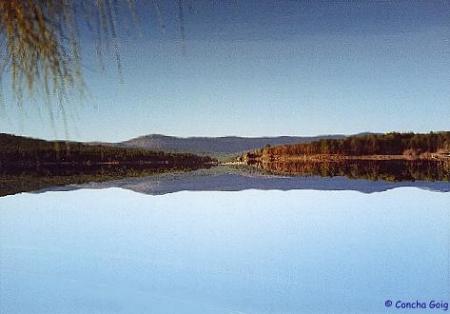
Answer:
(116, 251)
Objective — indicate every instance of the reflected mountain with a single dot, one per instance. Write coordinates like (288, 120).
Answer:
(366, 176)
(226, 178)
(28, 165)
(15, 180)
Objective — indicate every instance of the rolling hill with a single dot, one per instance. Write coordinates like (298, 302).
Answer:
(216, 146)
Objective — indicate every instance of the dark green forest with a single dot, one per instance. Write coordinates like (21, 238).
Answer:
(23, 151)
(409, 144)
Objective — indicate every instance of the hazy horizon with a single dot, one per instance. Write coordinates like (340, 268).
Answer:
(70, 138)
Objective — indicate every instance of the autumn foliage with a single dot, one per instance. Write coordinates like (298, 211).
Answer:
(410, 144)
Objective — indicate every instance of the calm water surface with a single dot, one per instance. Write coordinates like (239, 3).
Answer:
(300, 251)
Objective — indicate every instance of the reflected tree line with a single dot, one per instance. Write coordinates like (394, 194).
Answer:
(388, 170)
(28, 164)
(19, 179)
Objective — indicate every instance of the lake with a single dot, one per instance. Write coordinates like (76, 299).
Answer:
(220, 244)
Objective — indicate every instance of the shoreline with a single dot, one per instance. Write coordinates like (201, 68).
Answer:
(340, 158)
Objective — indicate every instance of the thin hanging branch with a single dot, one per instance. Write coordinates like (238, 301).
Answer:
(40, 47)
(40, 43)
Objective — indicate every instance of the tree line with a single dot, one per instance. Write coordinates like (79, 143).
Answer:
(369, 144)
(16, 150)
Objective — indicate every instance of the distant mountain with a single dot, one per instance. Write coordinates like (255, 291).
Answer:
(216, 145)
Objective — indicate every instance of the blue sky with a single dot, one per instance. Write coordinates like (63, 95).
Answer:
(254, 68)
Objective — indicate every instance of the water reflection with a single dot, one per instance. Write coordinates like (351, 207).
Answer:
(363, 176)
(255, 252)
(18, 179)
(387, 170)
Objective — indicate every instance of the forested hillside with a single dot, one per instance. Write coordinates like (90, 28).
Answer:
(17, 150)
(407, 144)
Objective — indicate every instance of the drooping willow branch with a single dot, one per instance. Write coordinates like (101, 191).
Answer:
(40, 43)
